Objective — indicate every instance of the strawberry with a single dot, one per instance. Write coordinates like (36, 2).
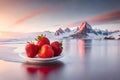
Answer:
(57, 48)
(41, 40)
(31, 49)
(46, 51)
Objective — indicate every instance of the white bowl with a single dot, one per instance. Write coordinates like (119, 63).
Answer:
(37, 59)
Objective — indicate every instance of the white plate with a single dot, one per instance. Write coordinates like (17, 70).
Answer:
(37, 59)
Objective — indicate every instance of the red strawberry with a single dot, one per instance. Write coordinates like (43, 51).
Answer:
(31, 49)
(46, 51)
(57, 48)
(41, 40)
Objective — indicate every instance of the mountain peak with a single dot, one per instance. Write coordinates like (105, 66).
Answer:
(84, 25)
(67, 29)
(59, 31)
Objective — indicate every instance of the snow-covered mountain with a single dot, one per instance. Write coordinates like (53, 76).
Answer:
(67, 30)
(83, 31)
(59, 31)
(114, 35)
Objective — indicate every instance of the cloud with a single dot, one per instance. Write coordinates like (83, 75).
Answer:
(32, 14)
(104, 18)
(100, 19)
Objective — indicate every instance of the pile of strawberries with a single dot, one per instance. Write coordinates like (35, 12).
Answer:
(43, 48)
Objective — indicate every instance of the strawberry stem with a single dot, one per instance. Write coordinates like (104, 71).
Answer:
(60, 43)
(40, 36)
(30, 42)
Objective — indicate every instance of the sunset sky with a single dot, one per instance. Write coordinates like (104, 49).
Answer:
(41, 15)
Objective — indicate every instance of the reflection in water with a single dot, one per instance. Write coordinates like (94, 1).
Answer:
(81, 45)
(84, 60)
(43, 71)
(66, 44)
(84, 47)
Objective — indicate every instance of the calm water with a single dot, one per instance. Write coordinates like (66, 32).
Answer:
(83, 60)
(93, 59)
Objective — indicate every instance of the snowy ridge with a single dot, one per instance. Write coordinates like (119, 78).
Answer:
(115, 35)
(84, 31)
